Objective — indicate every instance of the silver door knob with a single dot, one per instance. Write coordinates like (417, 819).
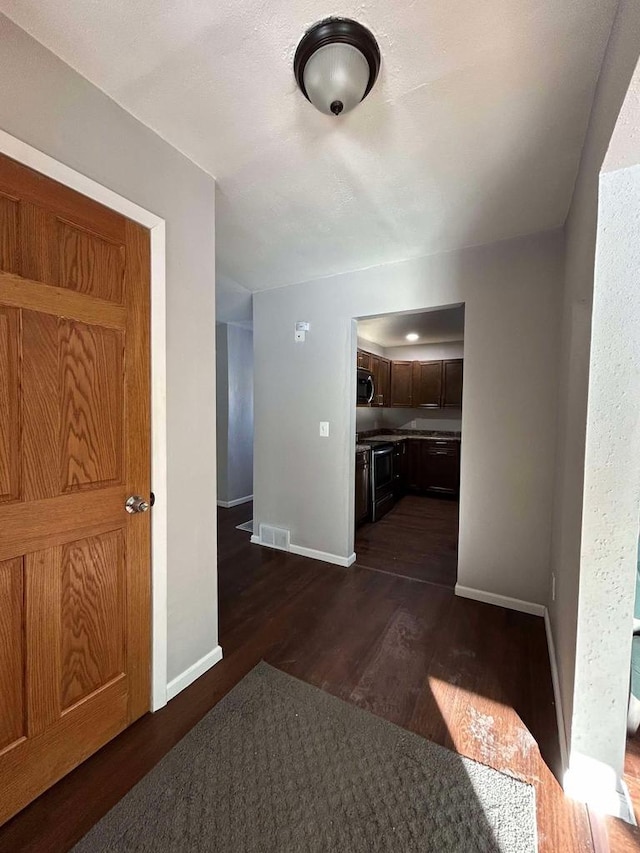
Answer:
(136, 504)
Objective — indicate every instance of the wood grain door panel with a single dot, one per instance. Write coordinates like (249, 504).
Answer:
(92, 593)
(74, 443)
(11, 653)
(9, 230)
(10, 449)
(91, 403)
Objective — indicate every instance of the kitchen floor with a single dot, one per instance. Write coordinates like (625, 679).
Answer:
(417, 539)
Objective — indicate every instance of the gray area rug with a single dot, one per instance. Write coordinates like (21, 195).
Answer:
(248, 525)
(281, 766)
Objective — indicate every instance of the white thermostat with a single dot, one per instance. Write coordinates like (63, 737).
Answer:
(302, 327)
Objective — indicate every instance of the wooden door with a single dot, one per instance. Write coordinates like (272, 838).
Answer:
(452, 383)
(427, 381)
(401, 383)
(74, 443)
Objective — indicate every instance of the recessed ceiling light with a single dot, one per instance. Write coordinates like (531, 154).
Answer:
(412, 336)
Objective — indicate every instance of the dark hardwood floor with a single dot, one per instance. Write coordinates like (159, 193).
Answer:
(417, 539)
(470, 676)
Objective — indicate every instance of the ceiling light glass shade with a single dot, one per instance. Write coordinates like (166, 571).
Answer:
(336, 64)
(412, 336)
(336, 78)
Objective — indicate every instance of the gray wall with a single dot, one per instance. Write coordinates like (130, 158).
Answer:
(512, 293)
(235, 412)
(50, 106)
(222, 410)
(619, 62)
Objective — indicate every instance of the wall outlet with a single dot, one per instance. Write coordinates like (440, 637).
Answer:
(553, 587)
(299, 337)
(324, 429)
(412, 425)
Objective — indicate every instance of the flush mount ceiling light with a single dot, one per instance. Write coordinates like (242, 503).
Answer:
(412, 336)
(336, 65)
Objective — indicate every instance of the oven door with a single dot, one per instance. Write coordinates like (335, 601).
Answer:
(382, 471)
(382, 494)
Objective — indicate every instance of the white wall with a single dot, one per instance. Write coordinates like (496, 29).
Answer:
(609, 542)
(427, 352)
(581, 227)
(370, 346)
(512, 295)
(48, 105)
(235, 412)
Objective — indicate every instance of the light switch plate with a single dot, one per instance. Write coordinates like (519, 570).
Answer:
(324, 429)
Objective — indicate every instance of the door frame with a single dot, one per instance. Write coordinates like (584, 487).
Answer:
(51, 168)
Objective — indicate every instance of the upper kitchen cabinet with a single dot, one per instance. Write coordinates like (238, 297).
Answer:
(414, 384)
(452, 383)
(375, 370)
(427, 384)
(401, 383)
(382, 379)
(364, 359)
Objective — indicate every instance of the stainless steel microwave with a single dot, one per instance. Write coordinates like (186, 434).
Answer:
(365, 388)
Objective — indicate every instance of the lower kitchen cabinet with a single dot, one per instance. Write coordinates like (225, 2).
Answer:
(363, 486)
(433, 466)
(400, 468)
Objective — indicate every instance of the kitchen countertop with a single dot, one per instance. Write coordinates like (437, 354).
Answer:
(396, 438)
(360, 447)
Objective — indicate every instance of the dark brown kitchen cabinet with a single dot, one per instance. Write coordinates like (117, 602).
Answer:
(400, 467)
(364, 359)
(363, 486)
(375, 370)
(441, 467)
(452, 383)
(427, 384)
(401, 383)
(414, 384)
(433, 466)
(382, 379)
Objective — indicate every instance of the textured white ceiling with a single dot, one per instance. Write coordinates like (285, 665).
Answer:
(390, 330)
(472, 133)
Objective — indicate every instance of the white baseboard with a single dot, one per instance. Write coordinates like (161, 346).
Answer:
(555, 678)
(194, 671)
(324, 556)
(500, 600)
(236, 502)
(301, 551)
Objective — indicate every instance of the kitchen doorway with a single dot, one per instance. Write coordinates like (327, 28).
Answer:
(408, 415)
